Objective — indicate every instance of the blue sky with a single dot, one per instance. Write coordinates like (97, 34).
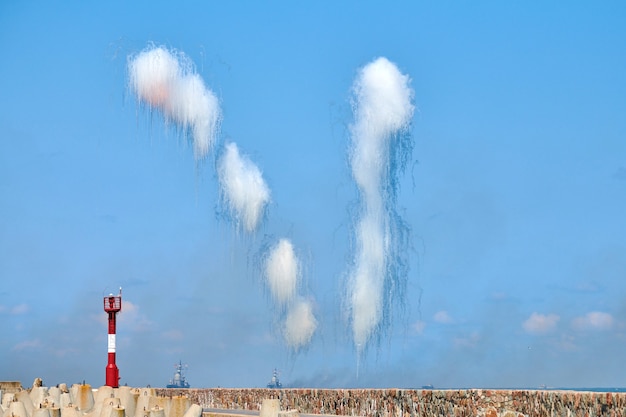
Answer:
(515, 193)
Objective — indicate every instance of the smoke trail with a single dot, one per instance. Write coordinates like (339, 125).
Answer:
(282, 270)
(382, 106)
(243, 189)
(166, 81)
(300, 324)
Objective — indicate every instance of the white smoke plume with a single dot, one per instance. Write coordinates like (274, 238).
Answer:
(300, 324)
(243, 188)
(383, 109)
(165, 80)
(282, 270)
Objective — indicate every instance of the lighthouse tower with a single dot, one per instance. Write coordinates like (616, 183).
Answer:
(112, 305)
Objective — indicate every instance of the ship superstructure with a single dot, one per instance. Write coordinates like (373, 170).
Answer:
(274, 382)
(179, 380)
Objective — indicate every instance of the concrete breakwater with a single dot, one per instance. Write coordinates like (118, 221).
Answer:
(405, 402)
(80, 400)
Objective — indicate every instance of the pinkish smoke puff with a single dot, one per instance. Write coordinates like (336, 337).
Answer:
(165, 81)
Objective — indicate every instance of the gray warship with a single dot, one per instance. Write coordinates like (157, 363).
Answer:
(179, 380)
(274, 382)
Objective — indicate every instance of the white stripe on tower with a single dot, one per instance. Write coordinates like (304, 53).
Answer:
(111, 343)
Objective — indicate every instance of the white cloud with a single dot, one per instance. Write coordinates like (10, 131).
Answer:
(32, 344)
(65, 352)
(540, 323)
(499, 296)
(173, 334)
(131, 318)
(594, 320)
(419, 326)
(470, 341)
(565, 343)
(20, 309)
(442, 317)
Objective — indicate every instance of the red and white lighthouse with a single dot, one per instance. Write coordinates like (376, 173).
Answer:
(112, 305)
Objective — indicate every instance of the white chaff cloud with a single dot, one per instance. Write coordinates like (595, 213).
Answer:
(165, 80)
(383, 108)
(300, 324)
(282, 270)
(242, 187)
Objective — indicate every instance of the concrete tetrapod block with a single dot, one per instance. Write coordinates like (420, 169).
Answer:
(24, 398)
(50, 401)
(17, 409)
(104, 396)
(7, 398)
(66, 399)
(55, 411)
(83, 397)
(37, 395)
(117, 412)
(157, 412)
(41, 412)
(162, 402)
(106, 406)
(178, 406)
(70, 411)
(54, 395)
(128, 397)
(270, 407)
(103, 393)
(143, 402)
(193, 411)
(74, 392)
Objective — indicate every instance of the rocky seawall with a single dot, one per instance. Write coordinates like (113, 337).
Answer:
(405, 403)
(82, 400)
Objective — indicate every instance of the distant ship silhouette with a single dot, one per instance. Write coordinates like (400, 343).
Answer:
(179, 380)
(274, 382)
